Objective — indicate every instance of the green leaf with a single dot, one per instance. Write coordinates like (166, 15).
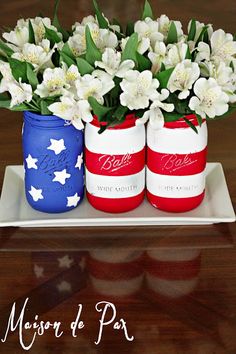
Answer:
(101, 19)
(199, 120)
(188, 54)
(6, 49)
(22, 107)
(31, 76)
(4, 101)
(84, 67)
(129, 29)
(192, 31)
(201, 35)
(147, 11)
(172, 34)
(187, 121)
(120, 113)
(99, 110)
(172, 116)
(66, 59)
(57, 24)
(164, 77)
(131, 48)
(44, 108)
(19, 69)
(92, 53)
(52, 36)
(117, 23)
(163, 67)
(31, 33)
(235, 37)
(66, 49)
(143, 62)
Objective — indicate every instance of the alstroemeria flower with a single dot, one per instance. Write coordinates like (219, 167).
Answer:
(72, 111)
(154, 114)
(71, 76)
(20, 35)
(164, 25)
(111, 63)
(54, 83)
(38, 55)
(157, 56)
(96, 85)
(19, 92)
(148, 33)
(103, 38)
(7, 76)
(203, 52)
(210, 100)
(224, 76)
(223, 46)
(199, 28)
(175, 54)
(138, 89)
(183, 78)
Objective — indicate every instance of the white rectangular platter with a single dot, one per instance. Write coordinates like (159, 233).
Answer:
(15, 211)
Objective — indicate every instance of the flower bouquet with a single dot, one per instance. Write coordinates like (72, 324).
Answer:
(115, 80)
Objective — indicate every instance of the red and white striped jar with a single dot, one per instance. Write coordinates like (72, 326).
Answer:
(176, 161)
(115, 166)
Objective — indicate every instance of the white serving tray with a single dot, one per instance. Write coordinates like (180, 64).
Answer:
(15, 211)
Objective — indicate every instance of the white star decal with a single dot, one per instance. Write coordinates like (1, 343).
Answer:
(57, 146)
(73, 200)
(64, 286)
(79, 161)
(65, 262)
(38, 271)
(61, 176)
(36, 194)
(31, 162)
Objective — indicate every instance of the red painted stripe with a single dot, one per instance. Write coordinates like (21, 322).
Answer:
(178, 270)
(175, 205)
(180, 123)
(129, 122)
(116, 205)
(114, 165)
(115, 271)
(176, 164)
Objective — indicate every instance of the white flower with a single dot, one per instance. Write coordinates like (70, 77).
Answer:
(164, 26)
(20, 35)
(157, 56)
(203, 52)
(176, 53)
(148, 33)
(19, 92)
(154, 114)
(7, 78)
(210, 100)
(111, 63)
(38, 55)
(95, 85)
(54, 83)
(72, 111)
(183, 78)
(103, 38)
(223, 46)
(224, 76)
(199, 28)
(138, 88)
(71, 76)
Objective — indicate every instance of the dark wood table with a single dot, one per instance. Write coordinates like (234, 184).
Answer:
(202, 321)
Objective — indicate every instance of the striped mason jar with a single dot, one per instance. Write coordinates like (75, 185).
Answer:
(176, 162)
(115, 166)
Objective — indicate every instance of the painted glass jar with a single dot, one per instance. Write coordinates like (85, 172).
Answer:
(115, 166)
(53, 162)
(176, 161)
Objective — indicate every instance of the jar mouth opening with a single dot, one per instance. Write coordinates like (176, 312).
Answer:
(129, 122)
(43, 121)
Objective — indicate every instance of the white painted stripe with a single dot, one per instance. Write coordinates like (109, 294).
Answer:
(174, 255)
(171, 288)
(177, 141)
(115, 186)
(117, 287)
(175, 186)
(115, 142)
(117, 255)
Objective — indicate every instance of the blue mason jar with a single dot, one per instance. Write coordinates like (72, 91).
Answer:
(53, 162)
